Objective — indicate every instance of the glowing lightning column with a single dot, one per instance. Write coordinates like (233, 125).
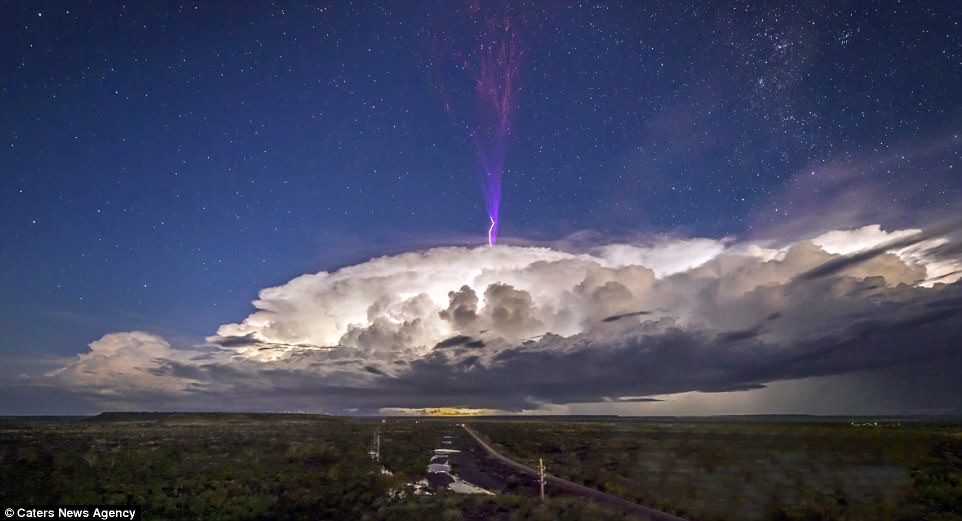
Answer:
(493, 62)
(499, 57)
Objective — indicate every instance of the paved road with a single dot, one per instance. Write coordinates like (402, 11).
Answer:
(575, 488)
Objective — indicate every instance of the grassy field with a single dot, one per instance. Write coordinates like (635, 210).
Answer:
(236, 466)
(753, 470)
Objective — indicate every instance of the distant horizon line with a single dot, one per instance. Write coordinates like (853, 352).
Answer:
(957, 416)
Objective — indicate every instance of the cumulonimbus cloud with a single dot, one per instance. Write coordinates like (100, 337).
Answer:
(511, 327)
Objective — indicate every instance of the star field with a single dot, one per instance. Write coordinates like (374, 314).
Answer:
(162, 162)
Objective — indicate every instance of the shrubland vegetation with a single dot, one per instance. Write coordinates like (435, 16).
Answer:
(194, 466)
(235, 466)
(753, 470)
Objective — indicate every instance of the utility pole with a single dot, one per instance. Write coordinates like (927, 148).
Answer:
(541, 466)
(376, 445)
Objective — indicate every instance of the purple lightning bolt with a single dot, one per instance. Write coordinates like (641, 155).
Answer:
(498, 62)
(493, 60)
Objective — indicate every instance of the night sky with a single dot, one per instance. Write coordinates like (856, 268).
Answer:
(162, 163)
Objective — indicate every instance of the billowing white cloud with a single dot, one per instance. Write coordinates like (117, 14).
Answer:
(506, 327)
(844, 242)
(410, 302)
(123, 362)
(407, 304)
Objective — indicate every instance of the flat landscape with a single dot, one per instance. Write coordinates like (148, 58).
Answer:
(250, 466)
(766, 468)
(273, 466)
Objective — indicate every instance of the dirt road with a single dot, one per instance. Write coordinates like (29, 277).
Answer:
(574, 488)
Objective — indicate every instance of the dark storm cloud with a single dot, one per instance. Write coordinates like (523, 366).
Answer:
(676, 361)
(844, 262)
(374, 370)
(250, 340)
(620, 316)
(459, 341)
(736, 336)
(641, 362)
(552, 328)
(745, 334)
(236, 341)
